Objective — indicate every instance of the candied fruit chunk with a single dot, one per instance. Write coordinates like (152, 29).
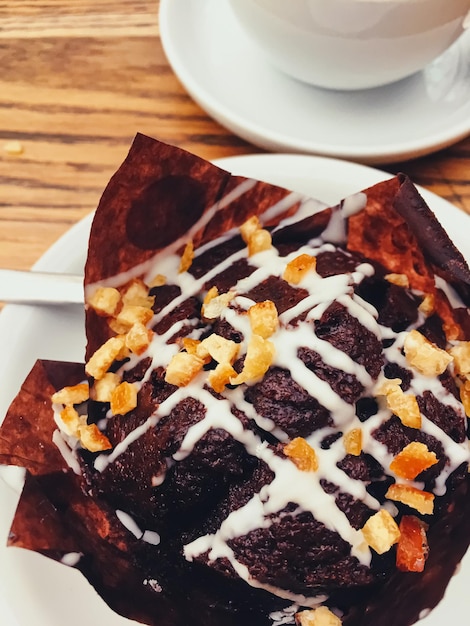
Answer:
(381, 531)
(401, 280)
(190, 345)
(157, 281)
(263, 318)
(182, 368)
(104, 301)
(70, 421)
(219, 377)
(422, 501)
(129, 315)
(259, 241)
(187, 257)
(256, 238)
(258, 359)
(412, 549)
(297, 269)
(103, 358)
(425, 356)
(322, 616)
(214, 304)
(353, 442)
(465, 397)
(75, 394)
(102, 389)
(138, 338)
(251, 225)
(89, 435)
(93, 439)
(428, 304)
(218, 348)
(412, 460)
(302, 454)
(136, 293)
(404, 406)
(123, 398)
(461, 355)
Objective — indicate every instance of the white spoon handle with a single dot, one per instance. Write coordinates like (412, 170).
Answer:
(20, 287)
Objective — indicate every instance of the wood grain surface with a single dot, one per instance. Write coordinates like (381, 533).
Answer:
(78, 79)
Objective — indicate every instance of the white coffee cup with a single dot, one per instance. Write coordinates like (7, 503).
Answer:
(352, 44)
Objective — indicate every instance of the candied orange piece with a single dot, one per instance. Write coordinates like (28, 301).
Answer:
(422, 501)
(404, 406)
(190, 345)
(412, 549)
(428, 304)
(219, 377)
(74, 394)
(214, 303)
(263, 318)
(251, 225)
(256, 238)
(425, 356)
(129, 315)
(136, 293)
(71, 421)
(412, 460)
(401, 280)
(297, 268)
(93, 439)
(381, 531)
(259, 356)
(102, 389)
(105, 301)
(302, 454)
(322, 616)
(182, 368)
(461, 354)
(353, 441)
(103, 358)
(465, 397)
(187, 258)
(123, 398)
(157, 281)
(212, 293)
(259, 240)
(218, 348)
(89, 435)
(138, 338)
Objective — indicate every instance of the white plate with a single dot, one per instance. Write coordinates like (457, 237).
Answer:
(39, 592)
(224, 72)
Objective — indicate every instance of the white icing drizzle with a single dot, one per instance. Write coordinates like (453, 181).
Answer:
(149, 536)
(153, 584)
(296, 330)
(283, 205)
(453, 297)
(71, 558)
(128, 522)
(284, 617)
(152, 537)
(353, 204)
(66, 448)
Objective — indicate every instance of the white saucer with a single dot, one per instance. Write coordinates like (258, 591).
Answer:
(224, 72)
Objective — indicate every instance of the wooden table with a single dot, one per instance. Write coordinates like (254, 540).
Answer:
(78, 79)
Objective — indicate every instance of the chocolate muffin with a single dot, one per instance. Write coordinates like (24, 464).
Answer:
(275, 429)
